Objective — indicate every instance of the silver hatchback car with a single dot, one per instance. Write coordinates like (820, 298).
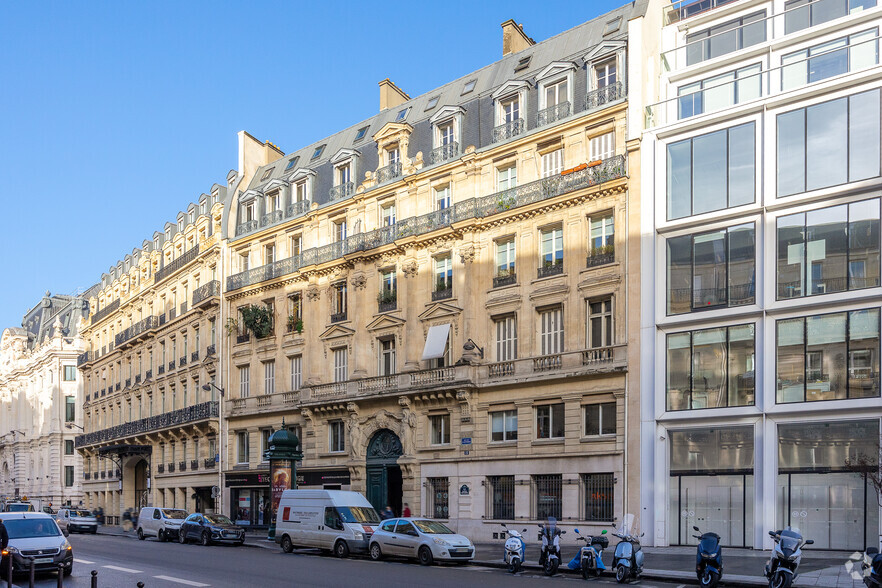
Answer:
(423, 539)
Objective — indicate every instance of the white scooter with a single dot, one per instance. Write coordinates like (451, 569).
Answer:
(514, 549)
(781, 569)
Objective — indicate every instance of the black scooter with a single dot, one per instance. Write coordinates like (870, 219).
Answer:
(709, 560)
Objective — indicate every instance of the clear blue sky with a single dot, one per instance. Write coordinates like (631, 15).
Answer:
(115, 115)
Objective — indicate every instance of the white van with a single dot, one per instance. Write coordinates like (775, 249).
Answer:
(162, 523)
(327, 519)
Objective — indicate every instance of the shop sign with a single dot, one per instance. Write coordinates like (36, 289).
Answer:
(247, 480)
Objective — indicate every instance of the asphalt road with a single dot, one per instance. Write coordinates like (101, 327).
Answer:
(123, 562)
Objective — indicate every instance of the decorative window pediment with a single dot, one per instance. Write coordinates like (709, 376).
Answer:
(556, 68)
(336, 332)
(275, 184)
(249, 196)
(440, 310)
(385, 322)
(510, 87)
(446, 112)
(344, 154)
(392, 131)
(301, 174)
(603, 51)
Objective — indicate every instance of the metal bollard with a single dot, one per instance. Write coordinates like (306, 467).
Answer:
(33, 572)
(140, 584)
(94, 578)
(9, 573)
(60, 575)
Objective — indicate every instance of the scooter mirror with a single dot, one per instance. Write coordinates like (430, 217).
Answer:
(603, 532)
(642, 534)
(695, 528)
(771, 533)
(810, 542)
(503, 526)
(524, 531)
(576, 531)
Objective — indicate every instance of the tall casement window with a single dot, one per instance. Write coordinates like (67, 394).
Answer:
(501, 497)
(269, 377)
(716, 269)
(341, 370)
(510, 109)
(605, 73)
(443, 277)
(439, 425)
(711, 368)
(300, 193)
(711, 172)
(550, 421)
(600, 419)
(602, 146)
(551, 331)
(387, 215)
(295, 365)
(505, 259)
(70, 409)
(442, 197)
(388, 288)
(70, 373)
(242, 449)
(833, 58)
(551, 251)
(556, 93)
(244, 378)
(339, 302)
(336, 436)
(802, 14)
(506, 178)
(339, 228)
(269, 254)
(828, 357)
(552, 163)
(68, 447)
(719, 92)
(829, 144)
(504, 425)
(506, 338)
(726, 38)
(601, 238)
(387, 356)
(295, 310)
(295, 245)
(829, 250)
(68, 476)
(600, 323)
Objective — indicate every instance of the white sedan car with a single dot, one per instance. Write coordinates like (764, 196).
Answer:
(423, 539)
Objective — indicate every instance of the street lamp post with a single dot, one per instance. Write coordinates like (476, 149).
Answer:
(221, 442)
(282, 455)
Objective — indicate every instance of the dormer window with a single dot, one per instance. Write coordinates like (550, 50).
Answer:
(318, 152)
(247, 212)
(181, 225)
(392, 155)
(468, 87)
(605, 73)
(344, 162)
(433, 102)
(343, 174)
(402, 114)
(266, 174)
(191, 217)
(361, 133)
(300, 191)
(273, 202)
(291, 163)
(555, 92)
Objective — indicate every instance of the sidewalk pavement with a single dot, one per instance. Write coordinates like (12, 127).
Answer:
(741, 567)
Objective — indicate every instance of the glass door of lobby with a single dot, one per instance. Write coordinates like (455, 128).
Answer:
(721, 504)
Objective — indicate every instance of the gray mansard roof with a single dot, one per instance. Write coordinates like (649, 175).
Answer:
(478, 120)
(39, 321)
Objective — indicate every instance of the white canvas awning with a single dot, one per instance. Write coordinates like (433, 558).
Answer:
(436, 342)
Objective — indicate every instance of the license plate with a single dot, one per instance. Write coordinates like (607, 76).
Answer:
(44, 560)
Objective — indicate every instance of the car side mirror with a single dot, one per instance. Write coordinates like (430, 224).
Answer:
(810, 542)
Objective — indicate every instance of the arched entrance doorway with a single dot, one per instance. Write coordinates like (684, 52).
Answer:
(141, 489)
(383, 472)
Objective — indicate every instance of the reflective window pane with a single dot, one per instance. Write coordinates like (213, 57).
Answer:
(790, 360)
(678, 371)
(742, 365)
(825, 354)
(742, 181)
(863, 244)
(742, 265)
(827, 144)
(863, 353)
(679, 172)
(708, 368)
(863, 136)
(826, 250)
(709, 270)
(679, 274)
(791, 153)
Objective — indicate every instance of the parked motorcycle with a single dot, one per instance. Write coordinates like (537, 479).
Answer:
(549, 556)
(873, 562)
(514, 549)
(781, 569)
(628, 557)
(589, 558)
(709, 561)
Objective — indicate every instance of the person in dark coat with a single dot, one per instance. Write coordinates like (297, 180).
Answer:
(4, 536)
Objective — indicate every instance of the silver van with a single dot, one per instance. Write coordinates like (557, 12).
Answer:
(35, 535)
(162, 523)
(81, 520)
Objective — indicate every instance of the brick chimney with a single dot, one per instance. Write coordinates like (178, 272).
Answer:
(513, 37)
(391, 95)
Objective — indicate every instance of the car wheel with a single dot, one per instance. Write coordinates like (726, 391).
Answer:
(341, 549)
(287, 546)
(376, 552)
(205, 540)
(182, 537)
(140, 534)
(160, 535)
(425, 556)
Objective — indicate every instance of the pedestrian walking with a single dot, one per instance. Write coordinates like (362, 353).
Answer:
(387, 513)
(406, 511)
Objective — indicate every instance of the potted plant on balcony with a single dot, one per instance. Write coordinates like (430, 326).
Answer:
(232, 326)
(294, 324)
(441, 285)
(258, 320)
(387, 296)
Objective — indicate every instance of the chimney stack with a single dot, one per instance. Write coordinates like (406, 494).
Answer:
(391, 95)
(513, 38)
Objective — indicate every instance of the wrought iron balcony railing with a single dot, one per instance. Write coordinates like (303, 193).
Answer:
(209, 462)
(171, 365)
(600, 258)
(182, 416)
(246, 227)
(210, 350)
(389, 172)
(128, 382)
(444, 153)
(172, 314)
(206, 291)
(243, 338)
(171, 467)
(553, 114)
(183, 308)
(338, 317)
(83, 358)
(160, 468)
(481, 207)
(442, 294)
(194, 464)
(177, 264)
(387, 306)
(550, 269)
(271, 218)
(297, 208)
(182, 466)
(148, 374)
(138, 379)
(505, 280)
(105, 311)
(508, 130)
(162, 319)
(194, 356)
(138, 328)
(603, 96)
(161, 369)
(342, 191)
(182, 362)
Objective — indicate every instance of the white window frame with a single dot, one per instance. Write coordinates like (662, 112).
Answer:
(443, 270)
(603, 418)
(244, 381)
(505, 415)
(387, 214)
(296, 371)
(607, 319)
(552, 162)
(443, 432)
(507, 177)
(302, 182)
(269, 376)
(341, 369)
(551, 331)
(387, 355)
(551, 421)
(602, 146)
(603, 64)
(506, 337)
(338, 230)
(451, 115)
(443, 195)
(336, 436)
(506, 256)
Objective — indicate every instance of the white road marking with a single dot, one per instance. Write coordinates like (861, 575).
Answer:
(85, 561)
(119, 569)
(181, 581)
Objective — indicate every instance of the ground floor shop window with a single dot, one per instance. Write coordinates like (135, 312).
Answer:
(547, 491)
(250, 506)
(711, 485)
(501, 494)
(599, 490)
(437, 498)
(818, 492)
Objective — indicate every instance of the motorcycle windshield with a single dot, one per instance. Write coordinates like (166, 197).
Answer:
(628, 526)
(790, 541)
(708, 544)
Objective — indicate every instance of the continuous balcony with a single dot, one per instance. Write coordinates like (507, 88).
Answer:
(263, 403)
(472, 208)
(206, 292)
(444, 153)
(246, 227)
(104, 312)
(84, 358)
(137, 330)
(341, 191)
(550, 269)
(606, 95)
(164, 272)
(509, 130)
(389, 172)
(505, 279)
(553, 114)
(175, 418)
(297, 208)
(683, 9)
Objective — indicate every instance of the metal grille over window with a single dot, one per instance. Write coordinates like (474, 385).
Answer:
(437, 498)
(549, 496)
(502, 497)
(599, 492)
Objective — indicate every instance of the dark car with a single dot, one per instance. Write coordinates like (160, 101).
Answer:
(210, 528)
